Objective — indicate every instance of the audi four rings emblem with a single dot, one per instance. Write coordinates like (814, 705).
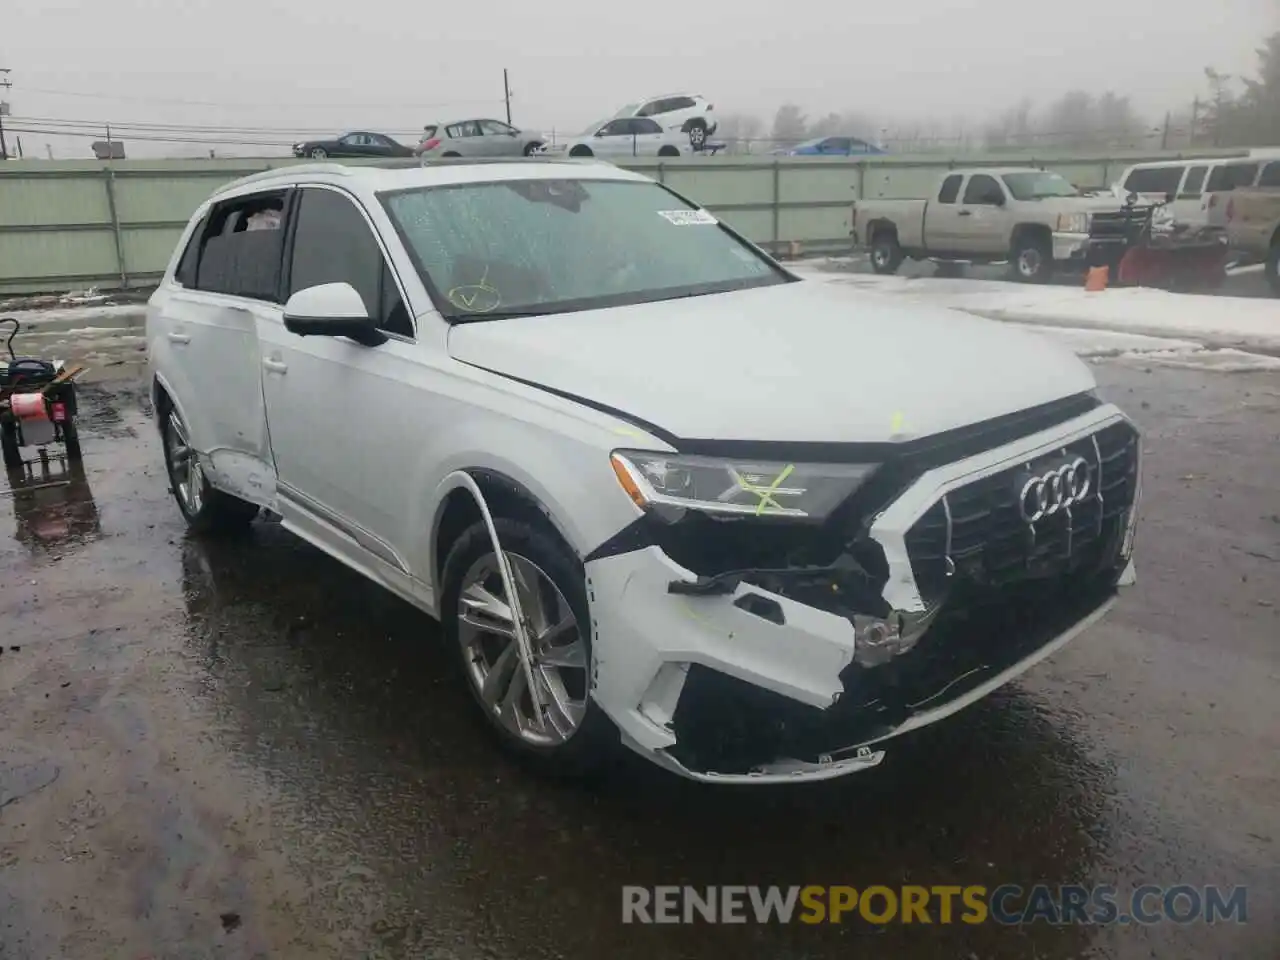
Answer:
(1057, 489)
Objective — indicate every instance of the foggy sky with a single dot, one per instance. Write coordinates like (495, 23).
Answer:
(389, 64)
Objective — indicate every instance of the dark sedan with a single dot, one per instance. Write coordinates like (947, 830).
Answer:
(352, 145)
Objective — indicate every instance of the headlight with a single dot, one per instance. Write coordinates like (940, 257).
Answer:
(744, 488)
(1073, 223)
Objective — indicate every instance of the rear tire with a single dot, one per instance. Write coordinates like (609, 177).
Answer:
(206, 510)
(581, 151)
(553, 593)
(886, 254)
(1273, 269)
(1031, 259)
(668, 151)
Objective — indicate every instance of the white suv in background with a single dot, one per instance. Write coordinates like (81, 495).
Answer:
(683, 113)
(659, 490)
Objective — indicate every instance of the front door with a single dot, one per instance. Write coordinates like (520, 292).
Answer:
(980, 219)
(341, 415)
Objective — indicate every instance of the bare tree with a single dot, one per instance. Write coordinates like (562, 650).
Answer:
(790, 125)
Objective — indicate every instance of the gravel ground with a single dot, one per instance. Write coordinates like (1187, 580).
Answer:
(239, 749)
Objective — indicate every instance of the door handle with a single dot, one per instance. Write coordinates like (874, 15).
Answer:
(965, 213)
(275, 366)
(178, 338)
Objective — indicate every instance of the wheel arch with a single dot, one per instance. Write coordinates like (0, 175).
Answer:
(879, 226)
(505, 496)
(1041, 231)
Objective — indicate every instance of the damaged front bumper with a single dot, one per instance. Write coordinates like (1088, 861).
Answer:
(747, 679)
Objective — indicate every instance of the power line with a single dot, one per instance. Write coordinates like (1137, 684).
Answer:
(146, 126)
(330, 105)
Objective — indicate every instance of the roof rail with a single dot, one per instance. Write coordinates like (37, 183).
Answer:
(272, 173)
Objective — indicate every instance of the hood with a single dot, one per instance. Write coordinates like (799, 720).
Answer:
(800, 361)
(1085, 204)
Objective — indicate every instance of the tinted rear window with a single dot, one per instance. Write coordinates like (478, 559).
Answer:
(1154, 180)
(1229, 176)
(1270, 175)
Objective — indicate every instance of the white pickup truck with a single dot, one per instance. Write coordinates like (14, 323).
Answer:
(1032, 219)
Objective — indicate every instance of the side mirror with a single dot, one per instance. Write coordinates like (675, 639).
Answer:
(600, 132)
(331, 310)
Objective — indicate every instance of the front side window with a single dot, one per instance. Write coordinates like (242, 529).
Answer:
(950, 188)
(616, 128)
(333, 243)
(642, 125)
(1039, 185)
(521, 247)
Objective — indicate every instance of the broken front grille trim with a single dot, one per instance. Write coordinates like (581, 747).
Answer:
(902, 590)
(982, 532)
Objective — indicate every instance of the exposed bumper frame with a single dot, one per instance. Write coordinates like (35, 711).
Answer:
(645, 639)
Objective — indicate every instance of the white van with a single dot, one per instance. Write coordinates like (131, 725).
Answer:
(1197, 186)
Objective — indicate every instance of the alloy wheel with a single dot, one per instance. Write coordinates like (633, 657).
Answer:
(184, 466)
(561, 661)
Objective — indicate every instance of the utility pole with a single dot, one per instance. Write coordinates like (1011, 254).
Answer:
(1195, 120)
(5, 84)
(506, 93)
(1164, 135)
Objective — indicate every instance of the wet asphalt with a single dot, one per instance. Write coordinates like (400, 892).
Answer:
(239, 749)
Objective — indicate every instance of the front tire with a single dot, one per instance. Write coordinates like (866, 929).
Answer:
(531, 148)
(581, 151)
(206, 510)
(1031, 260)
(319, 153)
(575, 736)
(886, 254)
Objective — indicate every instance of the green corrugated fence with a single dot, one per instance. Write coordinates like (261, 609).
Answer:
(68, 224)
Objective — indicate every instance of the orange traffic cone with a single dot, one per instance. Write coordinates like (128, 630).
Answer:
(1096, 279)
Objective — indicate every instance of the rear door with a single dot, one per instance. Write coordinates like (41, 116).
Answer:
(499, 139)
(648, 136)
(229, 279)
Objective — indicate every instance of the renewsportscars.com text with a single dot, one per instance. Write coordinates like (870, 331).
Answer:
(974, 904)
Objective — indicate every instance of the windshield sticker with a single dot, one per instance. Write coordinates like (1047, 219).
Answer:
(685, 218)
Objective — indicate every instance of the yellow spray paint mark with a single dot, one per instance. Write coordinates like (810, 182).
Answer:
(899, 421)
(765, 493)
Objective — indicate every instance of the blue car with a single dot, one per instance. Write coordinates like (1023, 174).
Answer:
(832, 147)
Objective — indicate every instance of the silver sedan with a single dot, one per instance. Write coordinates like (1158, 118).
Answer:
(477, 138)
